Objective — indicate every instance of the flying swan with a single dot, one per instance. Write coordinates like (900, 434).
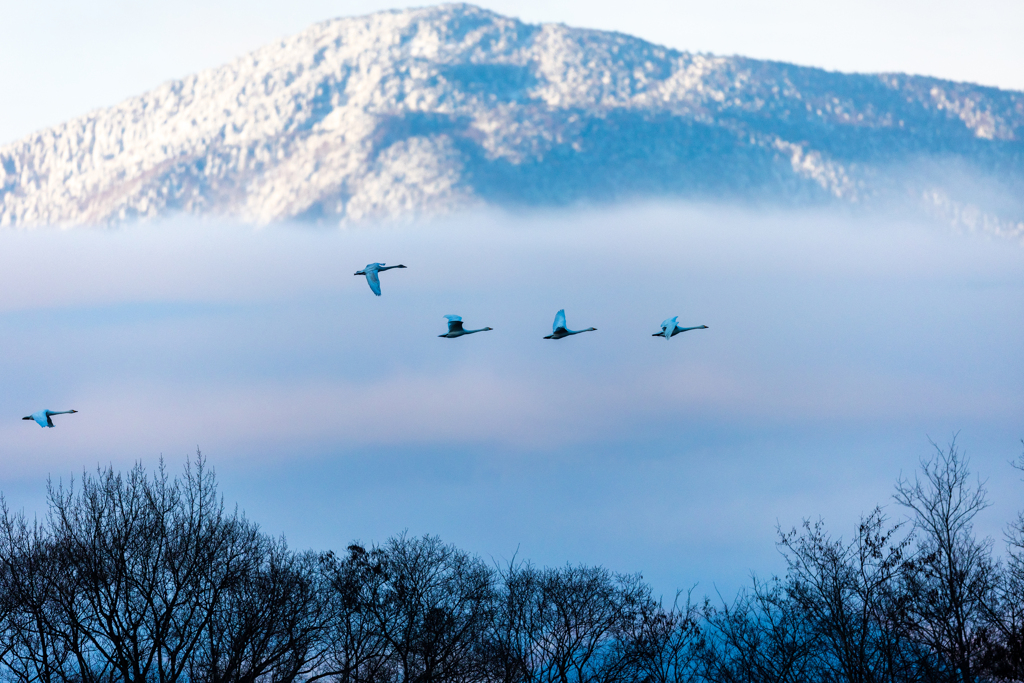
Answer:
(669, 328)
(43, 416)
(559, 329)
(371, 270)
(455, 328)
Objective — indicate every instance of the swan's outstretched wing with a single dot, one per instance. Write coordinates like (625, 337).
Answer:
(373, 280)
(669, 326)
(454, 323)
(559, 321)
(42, 418)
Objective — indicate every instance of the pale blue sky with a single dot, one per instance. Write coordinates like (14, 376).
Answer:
(836, 347)
(61, 58)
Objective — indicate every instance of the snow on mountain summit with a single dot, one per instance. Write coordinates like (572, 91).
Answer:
(435, 109)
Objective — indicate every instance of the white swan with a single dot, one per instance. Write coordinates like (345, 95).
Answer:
(559, 329)
(455, 328)
(669, 328)
(371, 270)
(43, 416)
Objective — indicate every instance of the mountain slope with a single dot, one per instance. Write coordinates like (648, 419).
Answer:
(433, 109)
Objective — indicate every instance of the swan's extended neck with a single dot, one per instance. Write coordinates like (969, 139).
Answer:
(680, 330)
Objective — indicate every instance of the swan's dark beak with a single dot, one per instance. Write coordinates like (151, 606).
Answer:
(27, 418)
(74, 411)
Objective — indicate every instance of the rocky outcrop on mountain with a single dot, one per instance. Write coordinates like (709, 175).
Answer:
(435, 109)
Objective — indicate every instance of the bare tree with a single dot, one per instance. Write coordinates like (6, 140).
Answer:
(761, 636)
(38, 644)
(1004, 655)
(508, 646)
(575, 625)
(269, 624)
(956, 574)
(853, 594)
(140, 578)
(665, 645)
(144, 579)
(568, 625)
(354, 649)
(142, 564)
(431, 603)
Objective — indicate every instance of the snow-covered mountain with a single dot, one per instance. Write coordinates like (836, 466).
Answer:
(434, 109)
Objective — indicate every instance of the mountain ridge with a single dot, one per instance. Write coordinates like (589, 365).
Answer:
(430, 110)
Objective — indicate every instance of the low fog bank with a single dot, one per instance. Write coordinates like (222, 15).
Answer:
(970, 197)
(838, 345)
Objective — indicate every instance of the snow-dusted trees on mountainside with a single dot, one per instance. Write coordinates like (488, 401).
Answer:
(436, 109)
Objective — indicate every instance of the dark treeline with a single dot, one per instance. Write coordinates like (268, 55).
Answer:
(138, 578)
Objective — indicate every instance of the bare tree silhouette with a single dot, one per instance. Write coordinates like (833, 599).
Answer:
(139, 578)
(956, 576)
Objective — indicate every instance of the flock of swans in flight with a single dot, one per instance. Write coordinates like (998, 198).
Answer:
(669, 328)
(559, 330)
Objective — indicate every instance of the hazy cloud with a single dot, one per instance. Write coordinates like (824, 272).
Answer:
(836, 346)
